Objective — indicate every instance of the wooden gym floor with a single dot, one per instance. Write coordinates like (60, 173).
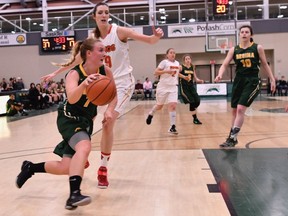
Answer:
(154, 173)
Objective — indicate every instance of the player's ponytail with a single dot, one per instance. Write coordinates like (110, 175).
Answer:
(74, 52)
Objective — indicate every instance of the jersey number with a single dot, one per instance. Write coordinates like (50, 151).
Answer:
(108, 61)
(86, 103)
(246, 63)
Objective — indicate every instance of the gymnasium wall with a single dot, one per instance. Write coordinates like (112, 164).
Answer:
(25, 61)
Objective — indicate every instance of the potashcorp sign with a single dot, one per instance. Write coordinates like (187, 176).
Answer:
(200, 29)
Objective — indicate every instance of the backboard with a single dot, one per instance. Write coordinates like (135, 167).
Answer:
(220, 41)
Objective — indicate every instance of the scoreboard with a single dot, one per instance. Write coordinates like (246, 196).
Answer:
(220, 7)
(57, 42)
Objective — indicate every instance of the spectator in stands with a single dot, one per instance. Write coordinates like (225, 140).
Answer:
(43, 95)
(19, 85)
(62, 82)
(44, 89)
(138, 90)
(54, 93)
(13, 107)
(61, 90)
(147, 86)
(282, 86)
(11, 84)
(36, 99)
(4, 85)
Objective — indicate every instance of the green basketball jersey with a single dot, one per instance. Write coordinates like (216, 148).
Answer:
(247, 60)
(187, 72)
(83, 107)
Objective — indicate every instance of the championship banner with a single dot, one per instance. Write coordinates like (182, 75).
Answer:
(13, 39)
(212, 89)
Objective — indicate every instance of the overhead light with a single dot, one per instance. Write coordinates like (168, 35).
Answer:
(192, 20)
(283, 7)
(259, 9)
(183, 18)
(280, 16)
(162, 10)
(240, 11)
(28, 18)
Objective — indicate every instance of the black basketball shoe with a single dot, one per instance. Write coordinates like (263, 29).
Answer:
(230, 142)
(76, 200)
(25, 174)
(149, 119)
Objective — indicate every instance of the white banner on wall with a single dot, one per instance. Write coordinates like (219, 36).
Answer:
(3, 101)
(212, 89)
(200, 29)
(13, 39)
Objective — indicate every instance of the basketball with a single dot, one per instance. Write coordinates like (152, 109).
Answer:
(101, 91)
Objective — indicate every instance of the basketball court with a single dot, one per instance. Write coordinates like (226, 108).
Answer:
(154, 173)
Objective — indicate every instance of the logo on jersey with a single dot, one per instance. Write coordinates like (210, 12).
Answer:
(245, 55)
(77, 129)
(175, 68)
(107, 58)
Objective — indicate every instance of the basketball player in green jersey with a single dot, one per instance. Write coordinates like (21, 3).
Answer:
(247, 83)
(186, 87)
(75, 123)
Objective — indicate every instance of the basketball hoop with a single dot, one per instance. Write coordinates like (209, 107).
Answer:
(223, 48)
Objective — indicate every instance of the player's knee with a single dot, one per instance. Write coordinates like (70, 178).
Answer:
(172, 106)
(84, 147)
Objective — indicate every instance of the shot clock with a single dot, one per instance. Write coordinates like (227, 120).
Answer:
(57, 42)
(220, 7)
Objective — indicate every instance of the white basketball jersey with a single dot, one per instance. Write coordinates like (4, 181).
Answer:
(168, 81)
(117, 54)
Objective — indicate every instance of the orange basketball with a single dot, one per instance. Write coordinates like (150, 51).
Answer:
(101, 91)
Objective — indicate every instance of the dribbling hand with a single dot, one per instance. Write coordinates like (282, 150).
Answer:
(91, 78)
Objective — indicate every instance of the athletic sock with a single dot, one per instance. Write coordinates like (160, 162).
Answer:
(38, 168)
(172, 116)
(105, 158)
(75, 182)
(234, 133)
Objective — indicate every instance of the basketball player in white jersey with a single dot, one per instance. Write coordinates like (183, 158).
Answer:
(167, 88)
(115, 40)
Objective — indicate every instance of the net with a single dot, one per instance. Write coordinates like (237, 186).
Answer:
(223, 48)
